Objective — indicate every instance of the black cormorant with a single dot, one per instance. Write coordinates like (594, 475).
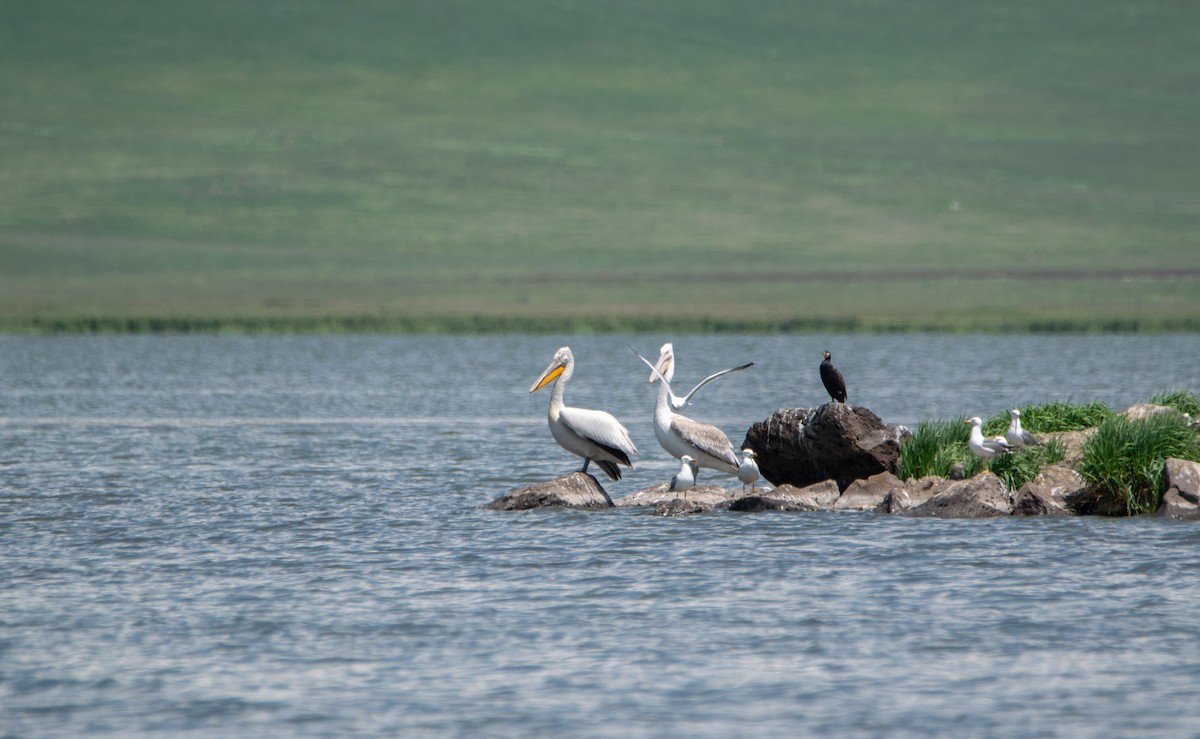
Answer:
(835, 384)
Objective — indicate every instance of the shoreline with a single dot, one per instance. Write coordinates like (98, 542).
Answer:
(485, 324)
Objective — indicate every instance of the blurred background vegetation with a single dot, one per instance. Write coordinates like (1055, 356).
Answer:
(559, 164)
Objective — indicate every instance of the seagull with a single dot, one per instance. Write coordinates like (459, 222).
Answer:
(677, 402)
(985, 448)
(832, 378)
(1016, 436)
(748, 470)
(680, 435)
(685, 477)
(594, 435)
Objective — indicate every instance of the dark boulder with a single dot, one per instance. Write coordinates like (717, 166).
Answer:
(802, 446)
(576, 490)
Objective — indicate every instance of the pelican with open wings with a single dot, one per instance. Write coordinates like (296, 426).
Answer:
(680, 435)
(677, 402)
(594, 435)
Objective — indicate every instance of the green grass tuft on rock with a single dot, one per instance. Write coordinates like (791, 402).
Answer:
(934, 448)
(1123, 461)
(1046, 418)
(1020, 467)
(1181, 400)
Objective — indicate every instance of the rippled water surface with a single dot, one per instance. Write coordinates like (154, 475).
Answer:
(216, 536)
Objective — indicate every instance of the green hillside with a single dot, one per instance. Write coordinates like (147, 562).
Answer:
(628, 163)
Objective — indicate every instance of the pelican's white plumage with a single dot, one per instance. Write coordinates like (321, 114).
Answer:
(748, 470)
(985, 448)
(594, 435)
(1016, 436)
(680, 435)
(676, 401)
(685, 478)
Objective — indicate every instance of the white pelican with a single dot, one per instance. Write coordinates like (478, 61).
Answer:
(680, 435)
(985, 448)
(1016, 436)
(748, 470)
(685, 477)
(593, 435)
(677, 402)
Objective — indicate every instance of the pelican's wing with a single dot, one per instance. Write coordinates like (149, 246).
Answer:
(676, 401)
(688, 398)
(599, 428)
(708, 439)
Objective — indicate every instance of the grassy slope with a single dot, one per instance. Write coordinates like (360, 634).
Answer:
(635, 160)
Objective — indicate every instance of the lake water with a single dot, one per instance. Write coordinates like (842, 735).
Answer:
(274, 536)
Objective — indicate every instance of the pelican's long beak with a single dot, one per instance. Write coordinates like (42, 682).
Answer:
(550, 375)
(664, 361)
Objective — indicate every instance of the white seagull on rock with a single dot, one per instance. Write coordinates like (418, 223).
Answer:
(685, 478)
(748, 470)
(985, 448)
(1016, 436)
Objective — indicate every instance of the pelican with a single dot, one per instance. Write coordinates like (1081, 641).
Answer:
(677, 402)
(1016, 436)
(985, 448)
(685, 477)
(594, 435)
(748, 470)
(680, 435)
(832, 379)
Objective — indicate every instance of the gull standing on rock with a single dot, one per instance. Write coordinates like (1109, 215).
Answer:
(1017, 437)
(680, 435)
(594, 435)
(832, 379)
(748, 470)
(985, 448)
(685, 478)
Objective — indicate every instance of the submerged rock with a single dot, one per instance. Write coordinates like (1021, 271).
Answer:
(817, 497)
(981, 496)
(839, 442)
(576, 490)
(764, 502)
(1182, 498)
(682, 507)
(710, 495)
